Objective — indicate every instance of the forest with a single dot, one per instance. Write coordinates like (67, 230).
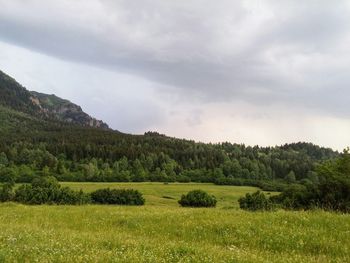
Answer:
(31, 147)
(33, 143)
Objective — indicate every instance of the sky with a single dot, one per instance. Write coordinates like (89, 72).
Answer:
(255, 72)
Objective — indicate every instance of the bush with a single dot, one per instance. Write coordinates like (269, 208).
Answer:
(8, 175)
(198, 198)
(295, 197)
(117, 197)
(6, 192)
(255, 202)
(47, 190)
(183, 179)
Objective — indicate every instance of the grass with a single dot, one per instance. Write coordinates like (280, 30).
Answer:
(162, 231)
(160, 194)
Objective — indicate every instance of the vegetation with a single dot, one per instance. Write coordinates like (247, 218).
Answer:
(161, 231)
(117, 197)
(44, 190)
(198, 198)
(255, 202)
(160, 194)
(47, 190)
(332, 192)
(14, 96)
(32, 147)
(6, 192)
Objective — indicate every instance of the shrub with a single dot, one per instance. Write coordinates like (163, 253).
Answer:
(68, 196)
(117, 197)
(198, 198)
(183, 179)
(6, 192)
(47, 190)
(294, 197)
(255, 202)
(7, 175)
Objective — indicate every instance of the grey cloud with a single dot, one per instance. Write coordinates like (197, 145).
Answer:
(208, 51)
(195, 118)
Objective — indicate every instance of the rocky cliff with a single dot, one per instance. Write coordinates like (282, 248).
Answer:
(16, 97)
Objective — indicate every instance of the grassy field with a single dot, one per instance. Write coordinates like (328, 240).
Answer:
(160, 194)
(163, 232)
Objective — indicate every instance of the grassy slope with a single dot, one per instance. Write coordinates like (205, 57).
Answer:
(163, 232)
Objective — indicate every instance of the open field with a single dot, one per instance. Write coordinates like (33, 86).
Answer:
(163, 232)
(161, 194)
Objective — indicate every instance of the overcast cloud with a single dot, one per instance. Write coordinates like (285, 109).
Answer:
(257, 72)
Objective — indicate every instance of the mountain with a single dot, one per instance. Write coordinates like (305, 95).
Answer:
(16, 97)
(64, 110)
(45, 135)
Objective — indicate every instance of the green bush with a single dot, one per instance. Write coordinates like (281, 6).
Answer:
(47, 190)
(6, 192)
(296, 197)
(255, 202)
(198, 198)
(117, 197)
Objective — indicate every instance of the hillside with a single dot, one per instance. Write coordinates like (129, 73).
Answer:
(65, 110)
(44, 134)
(15, 96)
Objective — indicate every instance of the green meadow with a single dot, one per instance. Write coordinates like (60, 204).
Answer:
(161, 194)
(161, 231)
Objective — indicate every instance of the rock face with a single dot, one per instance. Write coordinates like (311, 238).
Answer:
(64, 110)
(15, 96)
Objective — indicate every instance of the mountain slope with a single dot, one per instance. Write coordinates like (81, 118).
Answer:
(65, 110)
(16, 97)
(44, 134)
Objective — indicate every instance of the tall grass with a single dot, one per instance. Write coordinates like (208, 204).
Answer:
(159, 232)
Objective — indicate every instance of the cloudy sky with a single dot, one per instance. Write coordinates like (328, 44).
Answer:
(256, 72)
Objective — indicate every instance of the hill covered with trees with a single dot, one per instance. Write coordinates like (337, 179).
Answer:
(34, 144)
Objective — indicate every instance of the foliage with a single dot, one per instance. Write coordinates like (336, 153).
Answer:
(290, 178)
(293, 197)
(332, 192)
(6, 192)
(46, 190)
(255, 202)
(117, 197)
(198, 198)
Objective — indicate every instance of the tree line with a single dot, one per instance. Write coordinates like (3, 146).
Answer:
(220, 164)
(330, 192)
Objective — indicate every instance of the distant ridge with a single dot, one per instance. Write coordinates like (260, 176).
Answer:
(13, 95)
